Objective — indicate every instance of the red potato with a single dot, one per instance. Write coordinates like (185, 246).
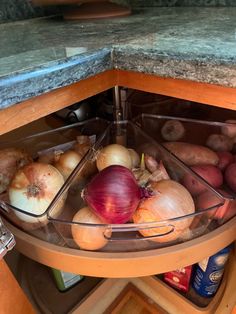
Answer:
(219, 143)
(225, 159)
(207, 199)
(230, 176)
(209, 173)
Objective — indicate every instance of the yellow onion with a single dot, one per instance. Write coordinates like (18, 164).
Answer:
(113, 154)
(87, 231)
(67, 162)
(135, 159)
(169, 200)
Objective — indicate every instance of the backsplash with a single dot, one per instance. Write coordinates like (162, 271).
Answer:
(179, 3)
(11, 10)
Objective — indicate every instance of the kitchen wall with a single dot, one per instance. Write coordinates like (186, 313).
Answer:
(11, 10)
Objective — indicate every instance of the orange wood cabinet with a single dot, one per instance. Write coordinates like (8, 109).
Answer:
(12, 297)
(40, 106)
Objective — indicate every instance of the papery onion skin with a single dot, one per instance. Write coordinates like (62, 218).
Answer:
(170, 200)
(33, 189)
(86, 237)
(113, 194)
(11, 159)
(82, 144)
(113, 154)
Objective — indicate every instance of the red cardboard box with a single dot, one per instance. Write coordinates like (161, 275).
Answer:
(179, 278)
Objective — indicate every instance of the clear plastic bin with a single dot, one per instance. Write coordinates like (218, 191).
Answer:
(36, 146)
(196, 132)
(127, 237)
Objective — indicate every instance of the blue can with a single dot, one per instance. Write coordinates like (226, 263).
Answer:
(208, 273)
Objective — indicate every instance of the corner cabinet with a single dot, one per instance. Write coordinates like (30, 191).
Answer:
(120, 265)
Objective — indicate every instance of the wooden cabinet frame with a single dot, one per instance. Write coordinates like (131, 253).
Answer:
(40, 106)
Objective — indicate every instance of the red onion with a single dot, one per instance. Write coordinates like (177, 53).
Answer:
(113, 194)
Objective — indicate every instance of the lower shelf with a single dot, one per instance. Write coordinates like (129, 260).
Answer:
(147, 293)
(156, 292)
(128, 264)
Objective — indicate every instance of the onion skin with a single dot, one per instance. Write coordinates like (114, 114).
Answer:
(82, 144)
(113, 194)
(170, 200)
(33, 189)
(89, 238)
(11, 159)
(114, 154)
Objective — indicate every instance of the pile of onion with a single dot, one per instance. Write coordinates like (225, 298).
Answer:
(33, 188)
(11, 159)
(88, 231)
(113, 194)
(170, 200)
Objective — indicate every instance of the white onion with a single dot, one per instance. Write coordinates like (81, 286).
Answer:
(113, 154)
(33, 189)
(67, 162)
(89, 237)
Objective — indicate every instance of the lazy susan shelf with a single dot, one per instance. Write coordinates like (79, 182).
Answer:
(125, 264)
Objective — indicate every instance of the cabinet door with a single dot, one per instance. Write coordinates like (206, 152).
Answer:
(12, 297)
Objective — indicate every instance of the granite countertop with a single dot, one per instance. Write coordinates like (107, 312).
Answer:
(43, 54)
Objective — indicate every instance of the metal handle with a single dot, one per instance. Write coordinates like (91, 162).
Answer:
(7, 240)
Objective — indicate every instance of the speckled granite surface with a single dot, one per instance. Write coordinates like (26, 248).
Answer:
(43, 54)
(13, 10)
